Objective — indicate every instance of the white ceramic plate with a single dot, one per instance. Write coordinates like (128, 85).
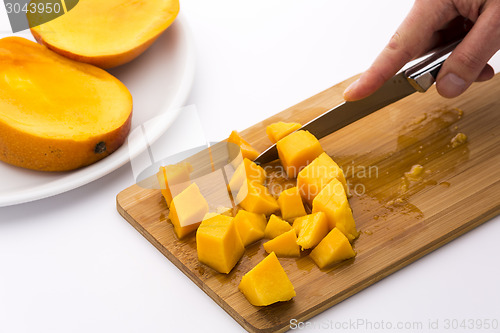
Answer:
(160, 81)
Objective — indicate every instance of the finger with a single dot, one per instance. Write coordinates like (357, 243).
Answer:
(468, 60)
(412, 38)
(454, 30)
(486, 74)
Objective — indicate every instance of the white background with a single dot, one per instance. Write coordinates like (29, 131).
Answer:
(70, 263)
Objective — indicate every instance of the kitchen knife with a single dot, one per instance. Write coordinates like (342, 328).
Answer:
(418, 77)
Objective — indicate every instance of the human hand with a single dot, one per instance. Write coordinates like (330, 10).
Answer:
(429, 23)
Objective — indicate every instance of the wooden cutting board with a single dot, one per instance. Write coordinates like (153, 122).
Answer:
(400, 220)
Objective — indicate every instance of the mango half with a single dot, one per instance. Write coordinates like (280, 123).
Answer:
(57, 114)
(107, 33)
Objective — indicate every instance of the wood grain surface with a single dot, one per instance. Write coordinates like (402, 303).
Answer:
(400, 219)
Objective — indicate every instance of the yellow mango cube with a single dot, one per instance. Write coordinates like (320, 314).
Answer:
(284, 245)
(267, 283)
(210, 215)
(316, 175)
(219, 211)
(275, 227)
(333, 248)
(279, 130)
(174, 179)
(297, 150)
(332, 200)
(246, 171)
(256, 198)
(250, 226)
(187, 210)
(246, 149)
(313, 228)
(291, 205)
(218, 243)
(297, 224)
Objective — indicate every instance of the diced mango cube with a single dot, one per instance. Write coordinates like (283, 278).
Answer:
(210, 215)
(284, 245)
(246, 149)
(316, 175)
(277, 131)
(332, 200)
(275, 227)
(267, 283)
(250, 226)
(256, 198)
(220, 211)
(297, 224)
(218, 243)
(246, 171)
(334, 247)
(313, 229)
(174, 179)
(291, 205)
(297, 150)
(187, 210)
(224, 211)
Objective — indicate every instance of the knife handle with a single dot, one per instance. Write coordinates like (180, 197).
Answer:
(423, 74)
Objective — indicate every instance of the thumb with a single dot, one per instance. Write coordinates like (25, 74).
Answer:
(468, 62)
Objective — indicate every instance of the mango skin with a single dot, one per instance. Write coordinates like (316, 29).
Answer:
(43, 154)
(46, 146)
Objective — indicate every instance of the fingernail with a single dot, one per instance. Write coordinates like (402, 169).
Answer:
(451, 85)
(351, 87)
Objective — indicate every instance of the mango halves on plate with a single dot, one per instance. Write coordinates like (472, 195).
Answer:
(107, 33)
(57, 114)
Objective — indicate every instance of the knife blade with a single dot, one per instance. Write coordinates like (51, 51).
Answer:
(418, 77)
